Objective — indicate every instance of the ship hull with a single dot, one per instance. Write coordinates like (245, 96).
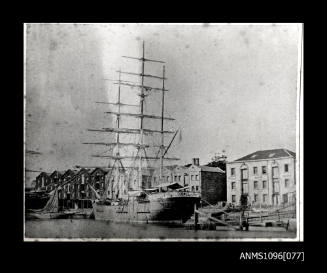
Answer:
(36, 200)
(175, 210)
(47, 215)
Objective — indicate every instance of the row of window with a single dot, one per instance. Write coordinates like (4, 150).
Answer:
(178, 178)
(264, 184)
(196, 188)
(256, 198)
(263, 170)
(45, 182)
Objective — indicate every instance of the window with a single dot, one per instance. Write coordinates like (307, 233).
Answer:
(245, 187)
(233, 198)
(175, 177)
(233, 185)
(287, 182)
(192, 188)
(197, 188)
(196, 177)
(264, 170)
(275, 185)
(256, 198)
(255, 185)
(275, 172)
(179, 178)
(286, 168)
(232, 171)
(192, 177)
(285, 198)
(255, 170)
(244, 174)
(264, 184)
(264, 198)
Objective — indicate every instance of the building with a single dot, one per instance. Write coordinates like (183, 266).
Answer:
(266, 177)
(42, 181)
(209, 182)
(55, 180)
(76, 191)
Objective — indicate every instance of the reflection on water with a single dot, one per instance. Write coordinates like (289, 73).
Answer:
(86, 228)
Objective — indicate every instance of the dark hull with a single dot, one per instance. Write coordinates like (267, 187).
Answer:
(36, 201)
(177, 209)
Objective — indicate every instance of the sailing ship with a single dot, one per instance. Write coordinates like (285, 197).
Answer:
(129, 195)
(50, 210)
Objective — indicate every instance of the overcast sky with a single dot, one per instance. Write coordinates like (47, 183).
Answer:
(231, 87)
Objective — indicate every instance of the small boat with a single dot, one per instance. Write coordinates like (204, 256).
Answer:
(36, 200)
(50, 210)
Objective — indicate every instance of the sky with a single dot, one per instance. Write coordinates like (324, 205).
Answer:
(231, 87)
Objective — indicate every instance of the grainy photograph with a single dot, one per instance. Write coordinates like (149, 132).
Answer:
(163, 132)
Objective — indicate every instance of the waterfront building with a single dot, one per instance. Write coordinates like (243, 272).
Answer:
(266, 177)
(55, 179)
(75, 191)
(42, 181)
(97, 179)
(209, 182)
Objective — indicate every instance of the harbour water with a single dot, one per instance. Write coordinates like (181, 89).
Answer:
(88, 228)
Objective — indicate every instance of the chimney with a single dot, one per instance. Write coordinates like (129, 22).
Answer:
(196, 161)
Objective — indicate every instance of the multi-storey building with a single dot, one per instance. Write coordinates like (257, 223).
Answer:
(266, 177)
(42, 181)
(55, 180)
(209, 182)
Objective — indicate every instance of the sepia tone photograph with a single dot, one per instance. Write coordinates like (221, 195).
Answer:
(163, 132)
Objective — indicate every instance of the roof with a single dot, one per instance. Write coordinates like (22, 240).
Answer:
(101, 169)
(43, 174)
(59, 172)
(267, 154)
(171, 167)
(174, 185)
(211, 169)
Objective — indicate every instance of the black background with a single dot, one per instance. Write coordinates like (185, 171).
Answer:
(100, 256)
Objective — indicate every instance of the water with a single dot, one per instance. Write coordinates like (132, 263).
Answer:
(87, 228)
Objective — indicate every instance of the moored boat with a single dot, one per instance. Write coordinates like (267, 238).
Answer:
(171, 207)
(129, 195)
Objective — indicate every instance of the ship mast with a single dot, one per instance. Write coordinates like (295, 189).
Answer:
(141, 145)
(162, 147)
(141, 124)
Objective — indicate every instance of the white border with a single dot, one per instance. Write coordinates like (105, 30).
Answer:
(299, 145)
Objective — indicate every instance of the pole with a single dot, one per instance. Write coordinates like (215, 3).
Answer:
(162, 122)
(196, 215)
(141, 125)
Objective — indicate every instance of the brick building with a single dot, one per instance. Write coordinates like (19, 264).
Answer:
(42, 181)
(266, 177)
